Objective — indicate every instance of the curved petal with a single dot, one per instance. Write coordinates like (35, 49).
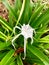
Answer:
(17, 28)
(14, 40)
(31, 41)
(25, 43)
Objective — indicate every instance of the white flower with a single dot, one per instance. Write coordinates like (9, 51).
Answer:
(27, 31)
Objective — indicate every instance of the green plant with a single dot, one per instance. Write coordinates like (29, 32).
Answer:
(24, 13)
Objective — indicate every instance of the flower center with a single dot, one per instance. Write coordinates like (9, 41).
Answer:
(27, 31)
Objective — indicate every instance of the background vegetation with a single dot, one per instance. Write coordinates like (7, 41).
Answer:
(23, 12)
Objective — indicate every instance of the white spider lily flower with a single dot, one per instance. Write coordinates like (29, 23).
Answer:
(27, 31)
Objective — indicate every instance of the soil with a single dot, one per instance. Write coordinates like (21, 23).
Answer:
(11, 2)
(4, 11)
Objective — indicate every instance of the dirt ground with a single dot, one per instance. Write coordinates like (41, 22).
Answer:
(3, 10)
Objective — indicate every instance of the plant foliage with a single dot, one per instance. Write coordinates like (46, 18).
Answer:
(24, 12)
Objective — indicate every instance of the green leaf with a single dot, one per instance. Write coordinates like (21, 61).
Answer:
(13, 63)
(32, 58)
(2, 54)
(27, 12)
(5, 23)
(17, 5)
(3, 36)
(43, 19)
(44, 39)
(4, 45)
(21, 12)
(46, 46)
(11, 19)
(35, 15)
(40, 32)
(7, 57)
(19, 61)
(39, 54)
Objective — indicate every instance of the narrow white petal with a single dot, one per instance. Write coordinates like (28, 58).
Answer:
(34, 31)
(15, 28)
(13, 45)
(16, 37)
(25, 43)
(14, 40)
(31, 41)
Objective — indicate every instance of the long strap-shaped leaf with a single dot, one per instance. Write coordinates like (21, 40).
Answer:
(5, 23)
(12, 61)
(5, 2)
(21, 12)
(43, 19)
(35, 14)
(17, 5)
(4, 45)
(42, 29)
(3, 36)
(27, 12)
(19, 61)
(39, 54)
(7, 57)
(44, 39)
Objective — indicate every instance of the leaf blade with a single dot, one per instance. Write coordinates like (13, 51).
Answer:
(39, 54)
(6, 59)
